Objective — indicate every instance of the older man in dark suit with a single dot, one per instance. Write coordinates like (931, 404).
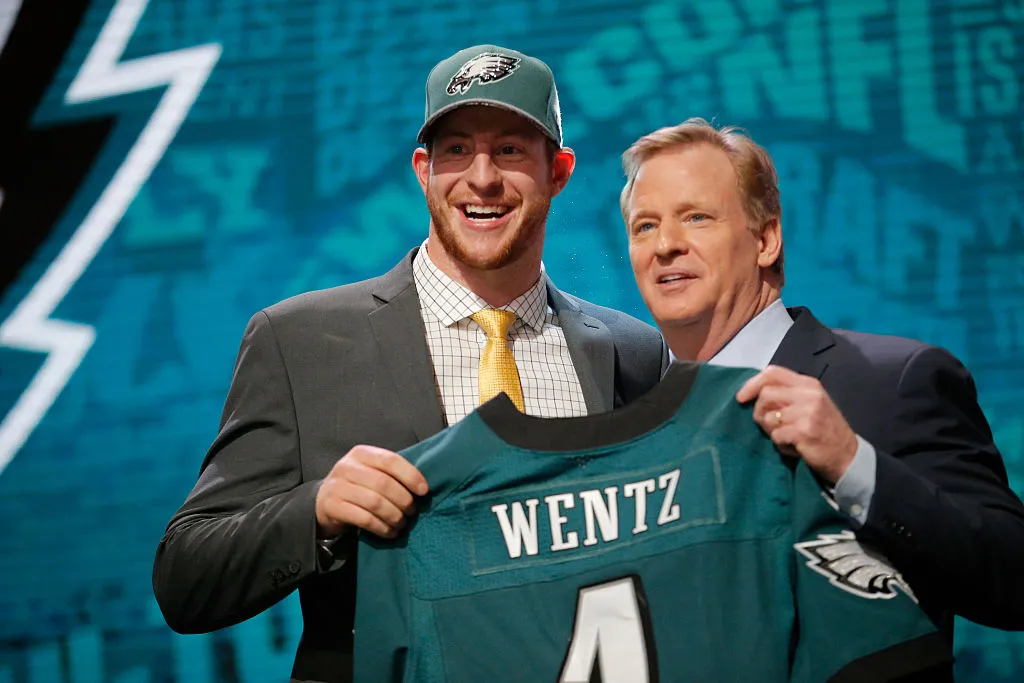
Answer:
(891, 426)
(329, 384)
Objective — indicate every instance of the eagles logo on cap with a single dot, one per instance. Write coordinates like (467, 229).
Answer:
(459, 82)
(484, 68)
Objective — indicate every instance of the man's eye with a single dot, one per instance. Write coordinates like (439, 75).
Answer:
(510, 148)
(699, 217)
(644, 227)
(456, 149)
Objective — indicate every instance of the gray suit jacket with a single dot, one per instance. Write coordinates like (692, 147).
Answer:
(316, 375)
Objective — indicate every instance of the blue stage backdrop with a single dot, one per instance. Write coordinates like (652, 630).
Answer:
(168, 167)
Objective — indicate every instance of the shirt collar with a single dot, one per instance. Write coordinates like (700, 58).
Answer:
(451, 302)
(756, 343)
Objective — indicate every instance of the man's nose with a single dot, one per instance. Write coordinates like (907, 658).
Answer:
(483, 175)
(672, 240)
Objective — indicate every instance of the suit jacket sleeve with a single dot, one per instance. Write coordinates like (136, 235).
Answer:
(246, 535)
(942, 510)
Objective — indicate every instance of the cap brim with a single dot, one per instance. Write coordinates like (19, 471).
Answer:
(422, 136)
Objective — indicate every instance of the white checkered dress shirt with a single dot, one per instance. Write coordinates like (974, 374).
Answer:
(550, 385)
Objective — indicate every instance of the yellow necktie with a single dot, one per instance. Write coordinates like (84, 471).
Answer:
(498, 371)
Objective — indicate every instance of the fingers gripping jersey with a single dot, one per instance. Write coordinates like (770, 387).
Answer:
(664, 541)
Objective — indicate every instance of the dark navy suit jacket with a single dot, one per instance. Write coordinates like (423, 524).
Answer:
(942, 511)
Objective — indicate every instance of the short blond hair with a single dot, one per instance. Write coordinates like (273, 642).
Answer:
(755, 170)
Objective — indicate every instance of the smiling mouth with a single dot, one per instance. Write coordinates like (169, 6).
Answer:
(483, 213)
(674, 277)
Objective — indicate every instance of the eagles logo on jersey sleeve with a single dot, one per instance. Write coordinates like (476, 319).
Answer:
(485, 68)
(852, 567)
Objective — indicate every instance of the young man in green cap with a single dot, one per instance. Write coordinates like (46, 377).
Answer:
(329, 385)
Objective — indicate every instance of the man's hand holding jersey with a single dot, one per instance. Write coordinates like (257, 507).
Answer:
(369, 488)
(797, 413)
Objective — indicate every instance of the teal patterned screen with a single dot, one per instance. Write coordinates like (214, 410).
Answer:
(168, 167)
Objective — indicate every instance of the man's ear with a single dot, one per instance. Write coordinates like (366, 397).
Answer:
(561, 168)
(421, 167)
(770, 243)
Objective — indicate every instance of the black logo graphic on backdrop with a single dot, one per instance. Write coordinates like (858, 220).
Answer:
(41, 168)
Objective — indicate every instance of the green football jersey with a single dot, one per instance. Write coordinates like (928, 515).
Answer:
(664, 541)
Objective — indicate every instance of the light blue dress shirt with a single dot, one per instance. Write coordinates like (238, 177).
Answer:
(753, 347)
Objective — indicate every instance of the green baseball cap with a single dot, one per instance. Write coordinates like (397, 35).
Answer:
(493, 76)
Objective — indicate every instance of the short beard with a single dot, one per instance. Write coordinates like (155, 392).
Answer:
(530, 228)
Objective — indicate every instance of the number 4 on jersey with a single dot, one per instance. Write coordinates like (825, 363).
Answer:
(611, 631)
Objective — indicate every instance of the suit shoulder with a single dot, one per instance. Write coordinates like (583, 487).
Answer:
(892, 351)
(617, 321)
(881, 343)
(356, 298)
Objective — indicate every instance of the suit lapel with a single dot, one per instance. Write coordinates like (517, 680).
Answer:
(402, 342)
(591, 349)
(805, 347)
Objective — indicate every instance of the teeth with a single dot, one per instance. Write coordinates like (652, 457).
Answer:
(670, 278)
(485, 211)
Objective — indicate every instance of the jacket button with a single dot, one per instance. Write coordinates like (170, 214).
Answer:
(294, 567)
